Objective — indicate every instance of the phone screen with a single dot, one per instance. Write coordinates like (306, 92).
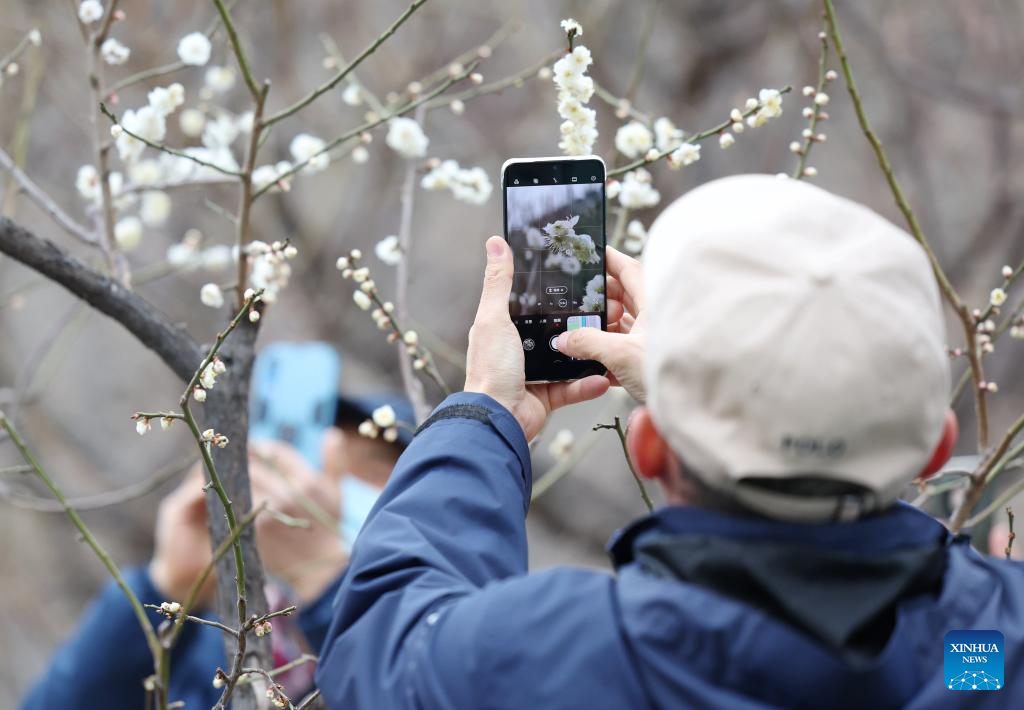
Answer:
(555, 225)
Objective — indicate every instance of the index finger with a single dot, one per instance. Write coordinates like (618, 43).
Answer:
(627, 271)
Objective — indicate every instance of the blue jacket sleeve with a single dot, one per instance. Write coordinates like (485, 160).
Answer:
(450, 521)
(104, 663)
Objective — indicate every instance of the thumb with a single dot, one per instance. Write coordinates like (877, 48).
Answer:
(592, 344)
(497, 281)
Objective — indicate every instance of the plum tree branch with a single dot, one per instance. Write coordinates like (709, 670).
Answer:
(139, 317)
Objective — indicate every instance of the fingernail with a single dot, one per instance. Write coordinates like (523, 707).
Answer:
(495, 247)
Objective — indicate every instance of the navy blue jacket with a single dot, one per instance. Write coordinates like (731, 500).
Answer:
(103, 664)
(706, 610)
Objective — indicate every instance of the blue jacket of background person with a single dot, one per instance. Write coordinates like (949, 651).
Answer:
(104, 663)
(705, 611)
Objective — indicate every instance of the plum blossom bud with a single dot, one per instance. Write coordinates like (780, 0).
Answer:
(389, 307)
(262, 629)
(997, 297)
(810, 171)
(368, 429)
(411, 349)
(290, 252)
(410, 337)
(484, 52)
(249, 295)
(362, 300)
(821, 99)
(254, 316)
(544, 73)
(455, 69)
(725, 140)
(221, 441)
(342, 263)
(166, 422)
(142, 425)
(419, 363)
(808, 112)
(35, 38)
(415, 88)
(356, 254)
(476, 77)
(1017, 332)
(561, 446)
(809, 91)
(116, 131)
(199, 394)
(1007, 271)
(219, 368)
(991, 387)
(751, 104)
(737, 127)
(651, 155)
(807, 133)
(384, 416)
(219, 679)
(360, 275)
(367, 286)
(822, 36)
(208, 435)
(831, 75)
(458, 107)
(795, 147)
(821, 138)
(390, 434)
(89, 11)
(360, 155)
(735, 116)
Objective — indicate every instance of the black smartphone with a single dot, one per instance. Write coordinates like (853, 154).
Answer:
(555, 225)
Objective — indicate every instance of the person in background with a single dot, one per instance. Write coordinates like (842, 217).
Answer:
(105, 661)
(789, 350)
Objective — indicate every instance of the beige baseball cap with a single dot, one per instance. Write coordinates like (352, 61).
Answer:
(795, 356)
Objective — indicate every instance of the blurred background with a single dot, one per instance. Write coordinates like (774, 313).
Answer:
(940, 79)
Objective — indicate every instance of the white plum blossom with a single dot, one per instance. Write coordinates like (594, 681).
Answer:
(666, 135)
(217, 257)
(561, 238)
(352, 95)
(35, 37)
(686, 154)
(389, 250)
(128, 233)
(221, 132)
(406, 137)
(997, 297)
(145, 122)
(113, 52)
(211, 295)
(194, 49)
(768, 104)
(220, 79)
(268, 269)
(145, 172)
(305, 147)
(191, 122)
(633, 139)
(156, 208)
(636, 191)
(269, 174)
(142, 425)
(562, 444)
(726, 140)
(593, 298)
(579, 127)
(89, 11)
(384, 416)
(467, 184)
(568, 263)
(571, 26)
(636, 237)
(87, 182)
(165, 99)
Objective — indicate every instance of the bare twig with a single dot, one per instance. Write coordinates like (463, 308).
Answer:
(236, 46)
(967, 321)
(1012, 535)
(92, 542)
(812, 124)
(512, 81)
(342, 73)
(45, 202)
(151, 327)
(617, 428)
(983, 475)
(164, 148)
(641, 53)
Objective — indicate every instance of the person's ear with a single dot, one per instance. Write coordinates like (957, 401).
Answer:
(650, 452)
(944, 449)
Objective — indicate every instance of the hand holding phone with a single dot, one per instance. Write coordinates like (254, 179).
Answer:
(555, 225)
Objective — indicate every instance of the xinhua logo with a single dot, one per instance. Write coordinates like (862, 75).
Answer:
(974, 660)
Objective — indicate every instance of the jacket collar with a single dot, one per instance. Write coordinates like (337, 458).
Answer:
(901, 526)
